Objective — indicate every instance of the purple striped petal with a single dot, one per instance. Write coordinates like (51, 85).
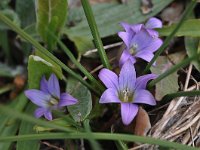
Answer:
(126, 26)
(109, 96)
(141, 81)
(126, 56)
(109, 78)
(44, 85)
(142, 40)
(153, 45)
(38, 97)
(39, 112)
(66, 100)
(145, 55)
(48, 115)
(153, 33)
(53, 86)
(153, 23)
(128, 112)
(127, 77)
(144, 96)
(126, 37)
(137, 27)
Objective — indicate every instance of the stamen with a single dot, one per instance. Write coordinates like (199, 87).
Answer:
(126, 95)
(133, 49)
(53, 101)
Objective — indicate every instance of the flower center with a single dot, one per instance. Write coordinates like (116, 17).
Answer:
(53, 101)
(126, 96)
(133, 49)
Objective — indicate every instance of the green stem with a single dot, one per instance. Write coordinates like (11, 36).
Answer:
(82, 69)
(98, 136)
(95, 33)
(171, 70)
(167, 40)
(179, 94)
(16, 114)
(44, 51)
(93, 143)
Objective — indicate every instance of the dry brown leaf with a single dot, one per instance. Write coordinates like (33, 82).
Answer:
(142, 124)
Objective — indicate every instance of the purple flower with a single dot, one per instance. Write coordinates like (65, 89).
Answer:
(49, 98)
(126, 90)
(141, 40)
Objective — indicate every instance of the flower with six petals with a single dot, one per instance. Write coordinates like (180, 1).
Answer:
(49, 98)
(127, 90)
(141, 40)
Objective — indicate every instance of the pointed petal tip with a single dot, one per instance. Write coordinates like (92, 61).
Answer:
(53, 86)
(128, 112)
(66, 100)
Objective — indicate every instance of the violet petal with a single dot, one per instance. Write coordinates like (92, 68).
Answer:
(144, 96)
(153, 23)
(109, 96)
(38, 97)
(109, 78)
(66, 100)
(153, 45)
(127, 77)
(126, 26)
(128, 112)
(126, 56)
(145, 55)
(136, 28)
(126, 37)
(48, 115)
(142, 40)
(44, 85)
(141, 81)
(39, 112)
(53, 86)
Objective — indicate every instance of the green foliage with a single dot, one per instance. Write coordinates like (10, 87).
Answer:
(108, 16)
(51, 16)
(26, 11)
(170, 83)
(192, 46)
(37, 67)
(12, 16)
(189, 28)
(82, 109)
(27, 128)
(9, 126)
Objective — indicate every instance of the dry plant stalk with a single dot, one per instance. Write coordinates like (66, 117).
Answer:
(181, 121)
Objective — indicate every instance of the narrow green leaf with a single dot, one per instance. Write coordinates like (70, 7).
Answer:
(101, 136)
(51, 16)
(192, 46)
(82, 109)
(189, 28)
(9, 126)
(12, 16)
(27, 128)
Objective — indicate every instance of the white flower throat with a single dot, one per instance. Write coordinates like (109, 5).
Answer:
(133, 49)
(53, 101)
(126, 96)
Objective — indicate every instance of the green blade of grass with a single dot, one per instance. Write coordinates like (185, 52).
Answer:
(95, 33)
(44, 51)
(172, 70)
(98, 136)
